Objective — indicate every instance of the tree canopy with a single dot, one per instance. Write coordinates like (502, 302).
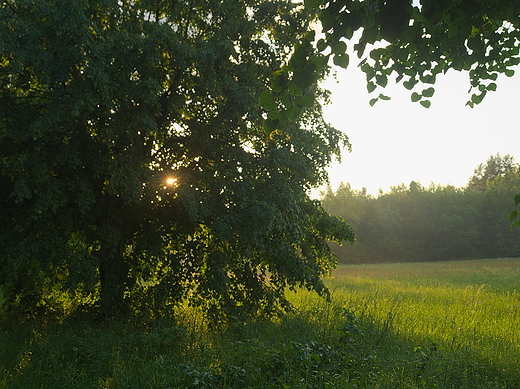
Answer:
(134, 167)
(154, 151)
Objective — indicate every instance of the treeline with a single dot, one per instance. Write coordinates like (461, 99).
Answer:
(415, 223)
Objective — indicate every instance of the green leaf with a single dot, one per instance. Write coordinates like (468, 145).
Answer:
(299, 57)
(492, 87)
(402, 55)
(509, 73)
(286, 99)
(279, 81)
(409, 84)
(341, 60)
(370, 33)
(340, 48)
(327, 20)
(312, 4)
(513, 215)
(309, 37)
(305, 101)
(384, 97)
(280, 117)
(377, 53)
(517, 199)
(382, 80)
(304, 77)
(270, 125)
(416, 97)
(295, 90)
(373, 101)
(476, 99)
(322, 45)
(371, 87)
(267, 101)
(352, 19)
(319, 61)
(425, 103)
(294, 112)
(429, 79)
(428, 92)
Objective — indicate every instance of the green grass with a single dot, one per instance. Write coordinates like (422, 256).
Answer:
(463, 317)
(427, 325)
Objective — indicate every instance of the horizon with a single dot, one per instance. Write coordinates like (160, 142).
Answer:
(397, 141)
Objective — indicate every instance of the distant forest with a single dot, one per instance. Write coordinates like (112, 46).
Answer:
(412, 223)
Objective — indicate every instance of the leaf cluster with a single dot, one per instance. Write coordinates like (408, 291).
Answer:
(418, 42)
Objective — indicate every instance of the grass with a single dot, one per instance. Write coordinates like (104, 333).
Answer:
(427, 325)
(462, 317)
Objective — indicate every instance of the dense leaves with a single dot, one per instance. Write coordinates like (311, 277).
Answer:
(134, 165)
(414, 223)
(416, 41)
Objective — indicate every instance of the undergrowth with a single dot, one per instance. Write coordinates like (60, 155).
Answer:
(375, 333)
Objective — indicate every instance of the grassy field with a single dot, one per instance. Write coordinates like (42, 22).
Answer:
(428, 325)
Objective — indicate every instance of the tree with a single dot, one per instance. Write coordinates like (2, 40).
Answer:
(495, 166)
(134, 167)
(163, 150)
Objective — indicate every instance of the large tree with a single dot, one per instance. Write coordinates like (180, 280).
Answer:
(134, 166)
(163, 150)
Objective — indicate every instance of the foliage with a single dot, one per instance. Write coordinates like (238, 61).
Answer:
(417, 41)
(414, 223)
(134, 169)
(495, 166)
(514, 214)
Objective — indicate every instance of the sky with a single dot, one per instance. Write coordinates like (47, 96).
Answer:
(398, 141)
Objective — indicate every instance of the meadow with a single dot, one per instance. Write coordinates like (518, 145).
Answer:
(413, 325)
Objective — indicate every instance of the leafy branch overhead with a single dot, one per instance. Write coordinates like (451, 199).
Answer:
(515, 215)
(291, 89)
(416, 42)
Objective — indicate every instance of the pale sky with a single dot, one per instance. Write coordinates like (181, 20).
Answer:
(398, 141)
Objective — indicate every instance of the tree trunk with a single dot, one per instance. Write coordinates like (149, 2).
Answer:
(113, 272)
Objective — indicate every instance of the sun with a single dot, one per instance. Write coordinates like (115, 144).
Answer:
(171, 181)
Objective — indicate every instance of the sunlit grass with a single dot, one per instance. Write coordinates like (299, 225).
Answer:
(465, 313)
(430, 325)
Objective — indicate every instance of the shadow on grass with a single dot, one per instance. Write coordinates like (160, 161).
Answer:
(320, 347)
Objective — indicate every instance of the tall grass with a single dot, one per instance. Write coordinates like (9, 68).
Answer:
(466, 314)
(452, 324)
(436, 325)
